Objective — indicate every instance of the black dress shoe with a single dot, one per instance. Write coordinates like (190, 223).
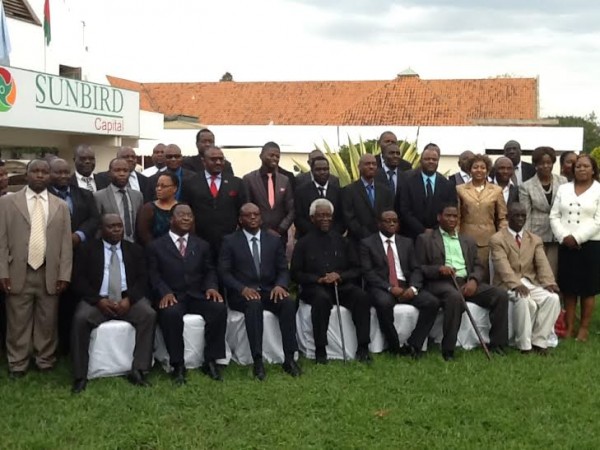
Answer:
(363, 356)
(79, 385)
(137, 378)
(497, 349)
(412, 351)
(540, 350)
(211, 369)
(448, 356)
(16, 374)
(321, 355)
(178, 374)
(259, 370)
(292, 368)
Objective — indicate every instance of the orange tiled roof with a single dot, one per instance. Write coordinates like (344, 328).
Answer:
(406, 100)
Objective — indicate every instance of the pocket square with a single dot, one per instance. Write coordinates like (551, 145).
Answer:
(233, 193)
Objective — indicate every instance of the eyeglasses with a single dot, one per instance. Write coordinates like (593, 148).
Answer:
(172, 156)
(164, 186)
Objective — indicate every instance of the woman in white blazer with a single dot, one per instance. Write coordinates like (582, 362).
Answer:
(575, 221)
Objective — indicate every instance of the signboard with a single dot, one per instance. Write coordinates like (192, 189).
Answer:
(49, 102)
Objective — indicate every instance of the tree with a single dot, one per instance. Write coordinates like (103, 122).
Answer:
(226, 77)
(590, 125)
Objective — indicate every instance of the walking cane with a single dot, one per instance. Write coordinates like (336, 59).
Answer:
(339, 316)
(471, 319)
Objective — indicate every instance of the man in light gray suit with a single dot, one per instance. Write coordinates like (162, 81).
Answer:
(120, 199)
(35, 268)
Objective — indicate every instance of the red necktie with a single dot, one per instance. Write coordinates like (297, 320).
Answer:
(181, 241)
(213, 186)
(518, 239)
(392, 264)
(271, 190)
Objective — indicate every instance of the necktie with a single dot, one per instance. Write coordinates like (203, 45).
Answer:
(429, 188)
(37, 235)
(391, 174)
(518, 239)
(88, 183)
(321, 191)
(371, 194)
(213, 186)
(255, 255)
(114, 275)
(391, 264)
(181, 246)
(514, 176)
(62, 194)
(126, 213)
(271, 190)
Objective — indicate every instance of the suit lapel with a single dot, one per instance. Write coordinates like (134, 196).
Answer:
(439, 243)
(264, 195)
(52, 208)
(21, 203)
(243, 244)
(362, 192)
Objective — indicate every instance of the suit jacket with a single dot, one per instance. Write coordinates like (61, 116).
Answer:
(195, 164)
(215, 217)
(375, 267)
(304, 195)
(306, 178)
(513, 194)
(360, 217)
(532, 196)
(512, 263)
(106, 203)
(401, 172)
(528, 171)
(456, 179)
(236, 265)
(15, 228)
(103, 181)
(89, 271)
(186, 177)
(73, 180)
(171, 273)
(281, 216)
(404, 165)
(410, 204)
(481, 214)
(84, 217)
(431, 255)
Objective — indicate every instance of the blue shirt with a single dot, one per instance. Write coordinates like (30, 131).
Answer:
(431, 178)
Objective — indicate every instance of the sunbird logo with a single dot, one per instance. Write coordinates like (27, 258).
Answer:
(8, 90)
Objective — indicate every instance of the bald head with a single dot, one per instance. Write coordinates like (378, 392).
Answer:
(464, 158)
(504, 170)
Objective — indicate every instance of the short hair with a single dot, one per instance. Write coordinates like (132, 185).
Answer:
(203, 130)
(383, 134)
(320, 202)
(512, 143)
(592, 161)
(502, 158)
(564, 155)
(432, 146)
(174, 178)
(318, 158)
(444, 205)
(539, 152)
(36, 160)
(515, 205)
(388, 210)
(269, 144)
(479, 158)
(116, 159)
(176, 205)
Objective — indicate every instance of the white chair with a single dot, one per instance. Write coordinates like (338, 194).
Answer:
(193, 344)
(237, 338)
(405, 321)
(111, 349)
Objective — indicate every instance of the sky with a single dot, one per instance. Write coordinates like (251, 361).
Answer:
(284, 40)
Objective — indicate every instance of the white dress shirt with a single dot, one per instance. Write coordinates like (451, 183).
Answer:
(175, 238)
(384, 240)
(107, 255)
(519, 173)
(324, 187)
(209, 180)
(249, 238)
(30, 196)
(133, 181)
(83, 184)
(152, 170)
(386, 170)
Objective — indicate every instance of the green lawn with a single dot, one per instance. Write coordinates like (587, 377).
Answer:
(512, 402)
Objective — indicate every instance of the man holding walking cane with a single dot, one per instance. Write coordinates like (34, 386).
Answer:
(449, 260)
(325, 262)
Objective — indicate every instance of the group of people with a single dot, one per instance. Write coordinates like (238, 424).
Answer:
(188, 236)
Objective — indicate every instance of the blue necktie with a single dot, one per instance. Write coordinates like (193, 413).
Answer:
(391, 174)
(371, 194)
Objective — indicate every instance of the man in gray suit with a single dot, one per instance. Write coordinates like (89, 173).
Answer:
(35, 268)
(271, 192)
(120, 199)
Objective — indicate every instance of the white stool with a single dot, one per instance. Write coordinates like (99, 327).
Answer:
(405, 321)
(193, 344)
(111, 349)
(237, 338)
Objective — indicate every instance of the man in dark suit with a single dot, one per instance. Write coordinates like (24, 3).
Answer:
(85, 163)
(422, 194)
(444, 254)
(184, 281)
(523, 170)
(320, 185)
(136, 182)
(215, 198)
(392, 167)
(271, 192)
(307, 177)
(204, 139)
(462, 176)
(364, 200)
(173, 165)
(254, 270)
(110, 278)
(503, 177)
(392, 276)
(322, 262)
(84, 225)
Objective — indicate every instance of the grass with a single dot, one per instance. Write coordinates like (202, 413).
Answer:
(513, 402)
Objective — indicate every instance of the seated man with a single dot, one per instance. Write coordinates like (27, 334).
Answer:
(393, 276)
(322, 262)
(444, 254)
(110, 278)
(184, 281)
(521, 266)
(254, 270)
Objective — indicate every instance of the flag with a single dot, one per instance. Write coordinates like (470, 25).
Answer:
(47, 30)
(4, 39)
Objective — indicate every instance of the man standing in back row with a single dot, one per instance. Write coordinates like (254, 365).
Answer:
(204, 140)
